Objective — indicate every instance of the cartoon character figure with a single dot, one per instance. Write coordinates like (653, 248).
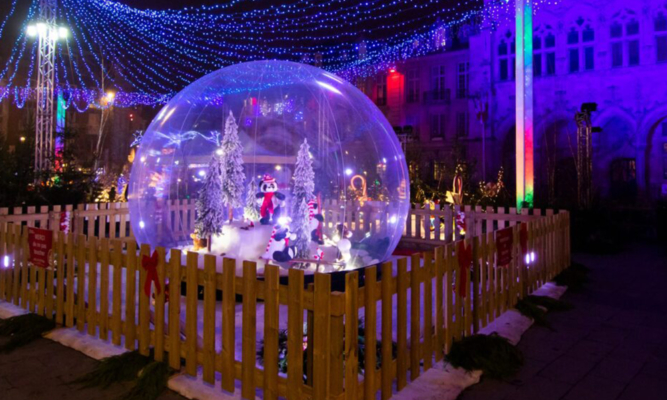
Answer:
(271, 200)
(344, 244)
(283, 251)
(316, 221)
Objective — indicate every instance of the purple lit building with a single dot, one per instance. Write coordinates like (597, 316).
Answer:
(611, 52)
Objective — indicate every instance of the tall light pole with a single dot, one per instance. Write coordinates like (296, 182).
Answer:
(524, 104)
(48, 33)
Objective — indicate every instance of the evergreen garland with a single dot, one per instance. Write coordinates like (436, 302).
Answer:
(121, 368)
(23, 329)
(151, 383)
(493, 354)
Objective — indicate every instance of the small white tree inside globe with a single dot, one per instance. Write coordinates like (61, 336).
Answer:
(272, 162)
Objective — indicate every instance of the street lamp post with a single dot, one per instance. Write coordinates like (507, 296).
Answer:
(48, 33)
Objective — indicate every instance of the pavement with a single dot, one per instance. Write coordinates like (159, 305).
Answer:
(44, 369)
(611, 346)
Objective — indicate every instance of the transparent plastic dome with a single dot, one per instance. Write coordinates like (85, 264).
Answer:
(360, 196)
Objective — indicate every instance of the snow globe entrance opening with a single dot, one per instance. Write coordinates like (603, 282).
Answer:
(272, 161)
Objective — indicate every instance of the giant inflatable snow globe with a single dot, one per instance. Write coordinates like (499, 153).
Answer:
(274, 162)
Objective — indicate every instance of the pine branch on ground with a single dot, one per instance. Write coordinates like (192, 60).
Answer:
(534, 312)
(151, 383)
(574, 277)
(23, 329)
(492, 354)
(121, 368)
(549, 303)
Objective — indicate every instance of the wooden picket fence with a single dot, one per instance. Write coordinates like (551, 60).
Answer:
(416, 302)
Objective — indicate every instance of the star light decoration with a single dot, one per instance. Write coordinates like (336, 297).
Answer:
(148, 56)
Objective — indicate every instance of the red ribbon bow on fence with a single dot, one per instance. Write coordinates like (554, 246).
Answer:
(150, 265)
(465, 259)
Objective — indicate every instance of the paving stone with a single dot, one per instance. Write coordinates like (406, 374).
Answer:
(608, 334)
(644, 387)
(635, 350)
(617, 369)
(47, 375)
(594, 387)
(531, 367)
(568, 369)
(488, 389)
(655, 368)
(542, 389)
(589, 350)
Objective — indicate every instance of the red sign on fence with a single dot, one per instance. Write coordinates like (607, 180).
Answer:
(504, 242)
(40, 243)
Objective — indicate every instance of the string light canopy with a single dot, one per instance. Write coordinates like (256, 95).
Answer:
(146, 56)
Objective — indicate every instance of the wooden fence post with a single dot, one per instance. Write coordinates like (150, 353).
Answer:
(387, 318)
(295, 306)
(351, 335)
(370, 338)
(271, 331)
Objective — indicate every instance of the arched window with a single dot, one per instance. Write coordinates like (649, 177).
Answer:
(506, 57)
(544, 51)
(581, 53)
(660, 27)
(624, 37)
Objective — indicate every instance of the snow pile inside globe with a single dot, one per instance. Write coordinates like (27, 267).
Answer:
(272, 161)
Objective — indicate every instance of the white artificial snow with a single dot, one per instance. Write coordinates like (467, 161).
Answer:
(8, 310)
(89, 345)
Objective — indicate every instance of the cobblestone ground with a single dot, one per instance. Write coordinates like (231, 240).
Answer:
(613, 345)
(43, 369)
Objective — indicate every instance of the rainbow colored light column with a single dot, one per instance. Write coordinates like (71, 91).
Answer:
(61, 113)
(524, 104)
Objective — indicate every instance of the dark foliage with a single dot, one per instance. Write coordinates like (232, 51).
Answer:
(71, 184)
(121, 368)
(151, 383)
(574, 277)
(23, 329)
(492, 354)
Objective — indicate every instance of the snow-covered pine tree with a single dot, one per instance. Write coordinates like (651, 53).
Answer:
(209, 206)
(232, 163)
(304, 178)
(301, 228)
(250, 211)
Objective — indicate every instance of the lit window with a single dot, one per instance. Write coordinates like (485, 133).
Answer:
(544, 51)
(438, 123)
(462, 124)
(660, 26)
(462, 81)
(438, 82)
(413, 86)
(581, 53)
(381, 88)
(506, 58)
(624, 32)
